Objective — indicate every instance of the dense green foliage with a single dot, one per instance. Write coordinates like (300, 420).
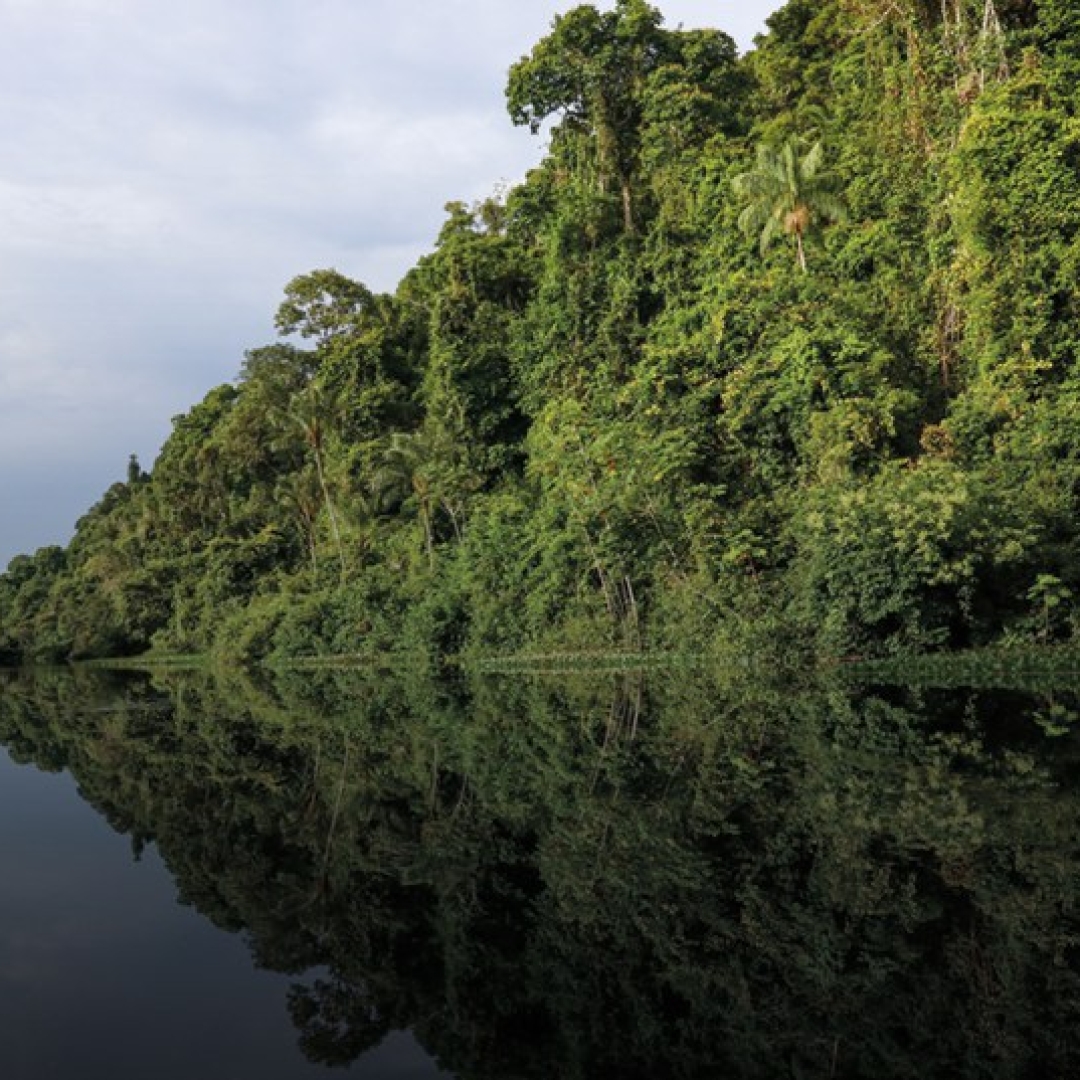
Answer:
(606, 411)
(613, 878)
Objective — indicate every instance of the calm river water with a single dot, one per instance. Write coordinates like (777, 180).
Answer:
(614, 878)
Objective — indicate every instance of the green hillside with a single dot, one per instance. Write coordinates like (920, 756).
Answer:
(775, 352)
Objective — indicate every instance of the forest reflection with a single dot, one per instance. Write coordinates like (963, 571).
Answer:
(615, 876)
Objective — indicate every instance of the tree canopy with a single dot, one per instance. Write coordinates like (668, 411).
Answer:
(595, 416)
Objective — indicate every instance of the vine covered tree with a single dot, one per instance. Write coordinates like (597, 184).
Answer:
(591, 70)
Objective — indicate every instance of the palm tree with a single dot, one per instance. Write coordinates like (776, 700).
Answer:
(403, 471)
(308, 413)
(787, 192)
(299, 493)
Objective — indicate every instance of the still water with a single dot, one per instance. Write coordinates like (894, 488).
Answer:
(620, 877)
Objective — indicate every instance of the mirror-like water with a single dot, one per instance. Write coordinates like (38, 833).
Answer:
(607, 878)
(102, 973)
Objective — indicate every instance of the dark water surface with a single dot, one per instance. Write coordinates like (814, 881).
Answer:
(616, 877)
(103, 974)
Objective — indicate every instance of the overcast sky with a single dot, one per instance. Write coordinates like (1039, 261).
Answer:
(168, 167)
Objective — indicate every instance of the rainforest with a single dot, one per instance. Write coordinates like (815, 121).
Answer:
(775, 353)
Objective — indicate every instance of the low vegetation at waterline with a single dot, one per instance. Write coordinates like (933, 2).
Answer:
(779, 349)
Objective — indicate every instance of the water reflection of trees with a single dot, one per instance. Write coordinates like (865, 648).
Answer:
(612, 878)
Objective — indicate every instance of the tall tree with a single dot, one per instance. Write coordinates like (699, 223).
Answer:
(323, 305)
(591, 70)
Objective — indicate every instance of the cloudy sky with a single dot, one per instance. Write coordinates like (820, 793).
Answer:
(168, 167)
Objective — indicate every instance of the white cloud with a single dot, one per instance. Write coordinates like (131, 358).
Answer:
(167, 168)
(73, 221)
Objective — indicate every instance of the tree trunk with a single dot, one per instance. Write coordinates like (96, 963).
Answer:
(334, 530)
(429, 539)
(627, 207)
